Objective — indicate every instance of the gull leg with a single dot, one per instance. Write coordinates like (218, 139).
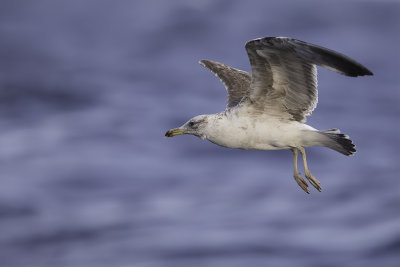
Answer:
(307, 172)
(302, 183)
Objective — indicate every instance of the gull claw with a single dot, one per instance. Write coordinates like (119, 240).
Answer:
(313, 181)
(302, 183)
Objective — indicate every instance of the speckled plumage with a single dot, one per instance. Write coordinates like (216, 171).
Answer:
(267, 109)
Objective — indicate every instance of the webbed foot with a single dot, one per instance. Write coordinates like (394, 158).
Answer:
(302, 183)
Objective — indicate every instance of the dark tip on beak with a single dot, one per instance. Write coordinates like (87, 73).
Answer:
(168, 134)
(173, 132)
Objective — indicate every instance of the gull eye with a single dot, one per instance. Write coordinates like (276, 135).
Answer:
(191, 124)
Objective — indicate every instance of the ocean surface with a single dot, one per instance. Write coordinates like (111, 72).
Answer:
(89, 88)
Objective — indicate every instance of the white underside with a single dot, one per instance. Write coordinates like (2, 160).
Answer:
(241, 129)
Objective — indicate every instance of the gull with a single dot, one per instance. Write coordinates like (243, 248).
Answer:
(267, 110)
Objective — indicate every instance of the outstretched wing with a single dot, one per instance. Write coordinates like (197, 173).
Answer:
(237, 82)
(284, 76)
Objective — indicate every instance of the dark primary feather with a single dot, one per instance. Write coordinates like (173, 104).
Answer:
(236, 82)
(329, 59)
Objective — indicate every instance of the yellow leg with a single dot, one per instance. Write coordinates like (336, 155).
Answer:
(302, 183)
(307, 172)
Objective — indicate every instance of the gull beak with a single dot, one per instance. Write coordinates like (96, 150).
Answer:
(176, 131)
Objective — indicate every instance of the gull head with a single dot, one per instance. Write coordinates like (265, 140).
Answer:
(196, 126)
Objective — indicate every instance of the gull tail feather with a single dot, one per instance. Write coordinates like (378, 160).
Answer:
(338, 141)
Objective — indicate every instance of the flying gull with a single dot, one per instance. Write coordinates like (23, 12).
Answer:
(267, 110)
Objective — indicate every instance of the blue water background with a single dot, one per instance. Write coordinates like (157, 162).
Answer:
(88, 89)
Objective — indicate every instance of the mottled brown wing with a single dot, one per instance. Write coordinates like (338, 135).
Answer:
(236, 82)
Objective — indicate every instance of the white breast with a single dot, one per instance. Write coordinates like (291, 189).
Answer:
(249, 132)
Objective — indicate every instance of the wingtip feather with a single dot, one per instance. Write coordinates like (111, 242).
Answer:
(206, 63)
(328, 58)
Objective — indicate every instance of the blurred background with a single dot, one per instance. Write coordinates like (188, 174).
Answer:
(88, 89)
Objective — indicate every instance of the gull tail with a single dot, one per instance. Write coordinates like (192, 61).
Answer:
(338, 142)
